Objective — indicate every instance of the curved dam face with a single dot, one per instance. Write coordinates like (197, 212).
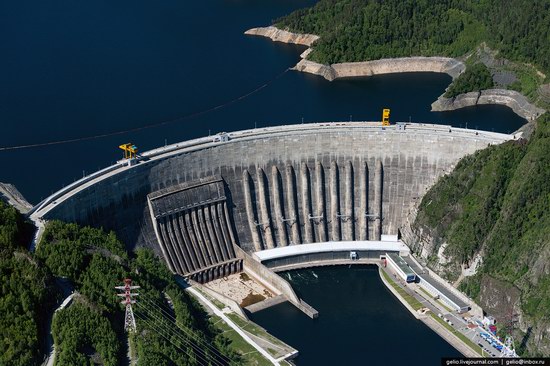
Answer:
(198, 201)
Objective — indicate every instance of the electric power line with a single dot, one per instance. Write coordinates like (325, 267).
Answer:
(198, 350)
(202, 347)
(186, 331)
(152, 326)
(151, 125)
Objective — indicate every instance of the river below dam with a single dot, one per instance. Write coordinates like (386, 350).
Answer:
(75, 69)
(360, 321)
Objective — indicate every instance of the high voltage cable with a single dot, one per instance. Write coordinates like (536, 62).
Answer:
(152, 325)
(160, 329)
(202, 343)
(189, 341)
(196, 349)
(151, 125)
(186, 331)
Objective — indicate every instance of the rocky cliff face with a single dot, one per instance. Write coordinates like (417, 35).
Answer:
(510, 98)
(279, 35)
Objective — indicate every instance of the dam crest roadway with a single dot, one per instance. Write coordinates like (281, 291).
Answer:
(206, 205)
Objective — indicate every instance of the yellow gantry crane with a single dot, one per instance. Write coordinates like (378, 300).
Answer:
(130, 150)
(385, 117)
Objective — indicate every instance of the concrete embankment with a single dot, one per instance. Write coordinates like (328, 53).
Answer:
(279, 35)
(510, 98)
(445, 65)
(444, 333)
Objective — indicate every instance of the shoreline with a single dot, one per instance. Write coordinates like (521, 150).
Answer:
(448, 336)
(384, 66)
(509, 98)
(279, 35)
(450, 66)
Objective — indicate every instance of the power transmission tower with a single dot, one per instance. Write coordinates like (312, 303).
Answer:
(129, 320)
(510, 319)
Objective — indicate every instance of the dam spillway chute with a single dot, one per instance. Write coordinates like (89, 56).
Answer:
(193, 229)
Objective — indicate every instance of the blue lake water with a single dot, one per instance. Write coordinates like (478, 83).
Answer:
(79, 68)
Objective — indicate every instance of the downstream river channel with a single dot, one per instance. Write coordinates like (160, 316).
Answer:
(72, 69)
(360, 321)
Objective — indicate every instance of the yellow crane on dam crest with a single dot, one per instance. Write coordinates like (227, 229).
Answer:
(130, 150)
(385, 117)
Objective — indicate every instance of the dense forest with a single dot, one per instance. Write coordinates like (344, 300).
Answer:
(359, 30)
(496, 202)
(95, 261)
(26, 294)
(476, 78)
(90, 330)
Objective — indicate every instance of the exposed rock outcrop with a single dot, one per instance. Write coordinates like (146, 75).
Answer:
(279, 35)
(383, 66)
(510, 98)
(10, 194)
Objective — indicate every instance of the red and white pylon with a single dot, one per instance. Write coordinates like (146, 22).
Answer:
(129, 320)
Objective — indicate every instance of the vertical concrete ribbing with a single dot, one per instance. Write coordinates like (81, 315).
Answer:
(364, 197)
(198, 236)
(205, 237)
(306, 204)
(194, 241)
(172, 244)
(378, 181)
(320, 220)
(212, 234)
(279, 215)
(228, 228)
(334, 202)
(264, 210)
(348, 203)
(188, 244)
(165, 246)
(252, 219)
(217, 230)
(291, 203)
(178, 243)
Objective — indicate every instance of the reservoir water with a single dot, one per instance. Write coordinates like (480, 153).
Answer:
(74, 68)
(360, 322)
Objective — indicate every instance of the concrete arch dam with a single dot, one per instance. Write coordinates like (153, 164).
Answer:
(199, 202)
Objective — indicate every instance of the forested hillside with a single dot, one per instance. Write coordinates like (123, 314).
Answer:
(91, 329)
(360, 30)
(476, 78)
(26, 294)
(497, 203)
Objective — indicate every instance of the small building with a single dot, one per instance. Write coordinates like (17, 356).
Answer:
(489, 320)
(398, 265)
